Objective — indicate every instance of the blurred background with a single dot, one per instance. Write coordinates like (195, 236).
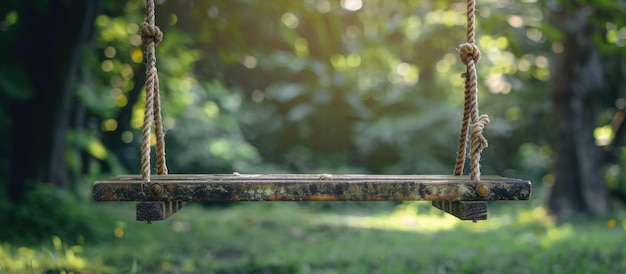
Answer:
(312, 86)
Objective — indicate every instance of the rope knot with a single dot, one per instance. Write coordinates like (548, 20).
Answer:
(469, 53)
(151, 33)
(477, 144)
(477, 133)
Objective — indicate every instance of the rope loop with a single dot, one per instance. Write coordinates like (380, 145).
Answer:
(469, 53)
(151, 36)
(151, 33)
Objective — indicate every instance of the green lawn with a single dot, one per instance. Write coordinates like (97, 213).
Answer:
(330, 237)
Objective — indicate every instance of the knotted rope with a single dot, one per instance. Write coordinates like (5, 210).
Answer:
(151, 36)
(470, 55)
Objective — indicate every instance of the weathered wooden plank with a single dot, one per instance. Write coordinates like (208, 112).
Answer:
(464, 210)
(157, 211)
(310, 187)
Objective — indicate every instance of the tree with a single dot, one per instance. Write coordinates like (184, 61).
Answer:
(41, 55)
(577, 86)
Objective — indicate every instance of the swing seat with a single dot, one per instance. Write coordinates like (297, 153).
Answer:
(164, 195)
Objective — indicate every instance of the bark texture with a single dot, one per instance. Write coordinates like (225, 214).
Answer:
(576, 87)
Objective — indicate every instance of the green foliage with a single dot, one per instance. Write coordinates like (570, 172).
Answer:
(306, 86)
(53, 257)
(369, 89)
(46, 211)
(615, 176)
(202, 133)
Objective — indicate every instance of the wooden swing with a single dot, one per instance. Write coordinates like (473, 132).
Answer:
(162, 195)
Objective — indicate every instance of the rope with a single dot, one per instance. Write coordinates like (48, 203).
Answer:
(470, 55)
(460, 156)
(151, 36)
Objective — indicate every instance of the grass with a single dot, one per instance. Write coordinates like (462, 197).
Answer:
(327, 237)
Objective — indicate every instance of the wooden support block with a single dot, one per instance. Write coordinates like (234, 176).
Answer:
(157, 211)
(464, 210)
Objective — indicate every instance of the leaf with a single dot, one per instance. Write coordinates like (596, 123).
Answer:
(286, 92)
(299, 112)
(14, 82)
(96, 149)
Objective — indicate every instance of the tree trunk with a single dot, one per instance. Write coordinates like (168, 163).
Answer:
(576, 86)
(52, 36)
